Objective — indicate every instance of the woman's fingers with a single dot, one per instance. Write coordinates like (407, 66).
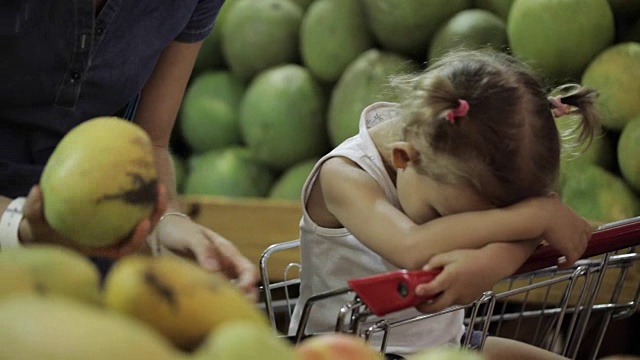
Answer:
(33, 209)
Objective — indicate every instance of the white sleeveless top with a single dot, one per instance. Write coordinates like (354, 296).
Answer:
(330, 257)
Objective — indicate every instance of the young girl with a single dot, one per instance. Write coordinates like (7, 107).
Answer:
(467, 160)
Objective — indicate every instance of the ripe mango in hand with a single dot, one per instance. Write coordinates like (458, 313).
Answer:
(100, 182)
(177, 297)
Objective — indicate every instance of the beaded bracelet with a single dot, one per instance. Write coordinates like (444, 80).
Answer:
(152, 240)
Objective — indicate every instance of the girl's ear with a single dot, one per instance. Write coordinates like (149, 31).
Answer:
(402, 153)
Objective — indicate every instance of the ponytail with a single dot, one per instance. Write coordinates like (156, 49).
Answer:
(574, 99)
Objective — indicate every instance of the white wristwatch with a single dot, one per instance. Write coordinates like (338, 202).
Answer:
(10, 223)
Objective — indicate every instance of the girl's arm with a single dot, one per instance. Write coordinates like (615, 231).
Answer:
(360, 205)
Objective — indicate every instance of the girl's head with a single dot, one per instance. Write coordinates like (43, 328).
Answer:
(484, 119)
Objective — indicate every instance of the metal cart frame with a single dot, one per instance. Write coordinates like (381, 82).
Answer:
(553, 307)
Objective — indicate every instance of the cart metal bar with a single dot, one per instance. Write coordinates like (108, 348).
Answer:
(306, 310)
(264, 274)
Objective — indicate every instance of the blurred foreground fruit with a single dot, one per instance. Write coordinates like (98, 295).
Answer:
(336, 346)
(54, 328)
(52, 270)
(446, 353)
(15, 279)
(176, 297)
(614, 73)
(100, 181)
(244, 340)
(560, 38)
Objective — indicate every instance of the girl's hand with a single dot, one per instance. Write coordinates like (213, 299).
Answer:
(211, 250)
(35, 229)
(468, 273)
(568, 232)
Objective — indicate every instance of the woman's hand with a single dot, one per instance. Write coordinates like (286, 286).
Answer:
(35, 229)
(211, 250)
(468, 273)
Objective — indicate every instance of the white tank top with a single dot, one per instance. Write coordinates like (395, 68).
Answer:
(330, 257)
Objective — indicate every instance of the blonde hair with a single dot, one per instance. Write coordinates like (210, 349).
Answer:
(507, 145)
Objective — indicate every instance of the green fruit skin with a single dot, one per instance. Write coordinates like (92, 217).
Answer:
(282, 116)
(333, 33)
(362, 83)
(600, 151)
(304, 4)
(614, 73)
(100, 182)
(209, 112)
(560, 37)
(469, 29)
(231, 172)
(261, 34)
(210, 55)
(289, 185)
(498, 7)
(628, 154)
(56, 328)
(598, 195)
(406, 27)
(244, 340)
(57, 270)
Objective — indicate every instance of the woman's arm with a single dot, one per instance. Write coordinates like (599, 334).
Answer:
(157, 111)
(360, 205)
(159, 105)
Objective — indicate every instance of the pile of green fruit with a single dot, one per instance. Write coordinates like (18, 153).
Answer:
(54, 306)
(279, 83)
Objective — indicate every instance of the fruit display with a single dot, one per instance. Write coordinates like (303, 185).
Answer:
(311, 66)
(52, 306)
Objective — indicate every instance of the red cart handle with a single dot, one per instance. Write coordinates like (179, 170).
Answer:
(607, 238)
(395, 290)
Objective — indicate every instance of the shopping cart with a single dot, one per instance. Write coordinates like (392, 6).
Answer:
(540, 304)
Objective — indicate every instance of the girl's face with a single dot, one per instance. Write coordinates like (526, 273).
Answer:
(423, 199)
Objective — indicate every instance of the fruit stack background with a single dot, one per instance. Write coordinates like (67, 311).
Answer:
(279, 83)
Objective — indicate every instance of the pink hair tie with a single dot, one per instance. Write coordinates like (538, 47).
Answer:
(461, 110)
(558, 108)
